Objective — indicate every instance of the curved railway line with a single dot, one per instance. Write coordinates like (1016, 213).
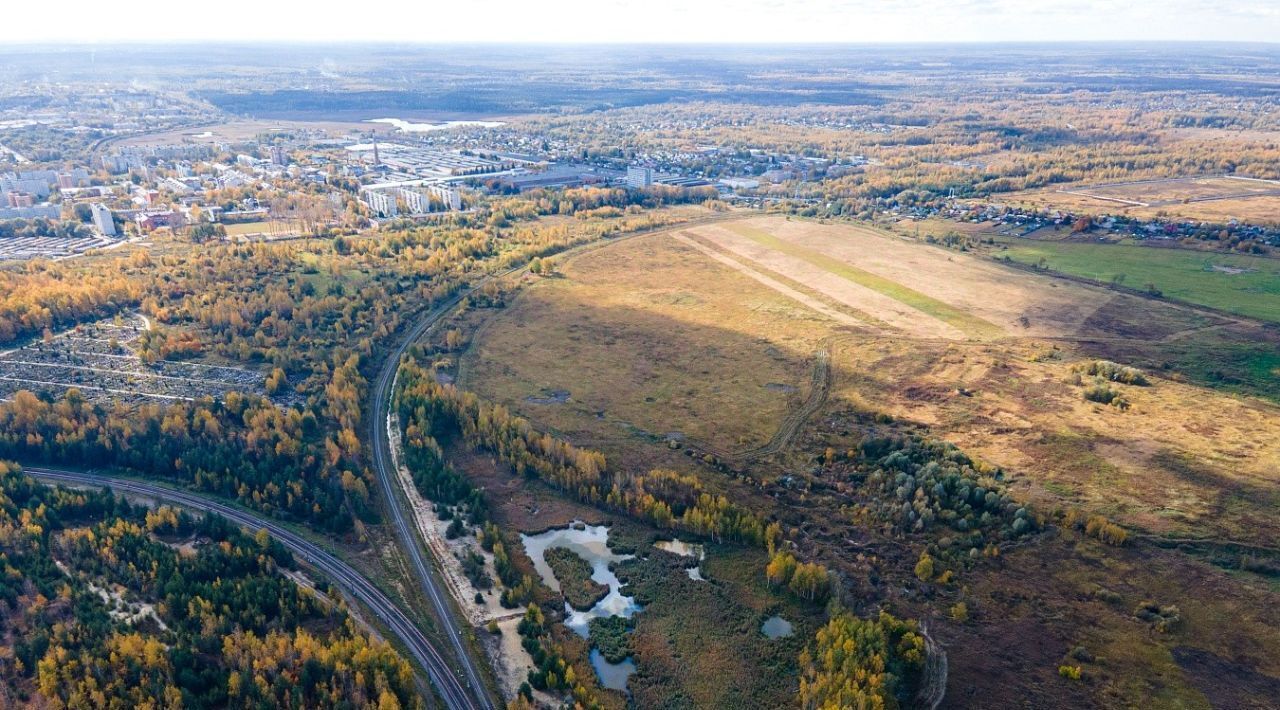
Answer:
(340, 573)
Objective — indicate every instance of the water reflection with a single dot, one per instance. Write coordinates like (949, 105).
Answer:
(591, 543)
(612, 675)
(776, 627)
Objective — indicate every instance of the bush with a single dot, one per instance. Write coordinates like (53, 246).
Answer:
(1103, 394)
(924, 568)
(1115, 372)
(455, 529)
(1162, 618)
(1105, 530)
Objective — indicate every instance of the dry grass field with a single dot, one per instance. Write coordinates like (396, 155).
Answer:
(711, 332)
(1204, 198)
(915, 290)
(664, 341)
(1178, 190)
(1182, 461)
(267, 228)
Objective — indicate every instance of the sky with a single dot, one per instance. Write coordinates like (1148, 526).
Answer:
(616, 21)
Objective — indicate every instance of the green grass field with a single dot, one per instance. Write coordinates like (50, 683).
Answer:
(1195, 277)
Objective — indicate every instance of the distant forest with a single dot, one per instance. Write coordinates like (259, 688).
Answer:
(513, 99)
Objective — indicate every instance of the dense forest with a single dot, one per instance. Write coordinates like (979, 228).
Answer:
(110, 605)
(271, 459)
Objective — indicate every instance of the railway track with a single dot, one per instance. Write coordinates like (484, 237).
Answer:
(380, 404)
(442, 675)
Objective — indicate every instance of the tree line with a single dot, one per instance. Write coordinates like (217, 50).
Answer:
(279, 461)
(664, 498)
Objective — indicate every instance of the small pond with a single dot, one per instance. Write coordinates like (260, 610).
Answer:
(612, 675)
(776, 627)
(685, 549)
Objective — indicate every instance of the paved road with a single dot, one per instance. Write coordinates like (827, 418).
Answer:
(340, 573)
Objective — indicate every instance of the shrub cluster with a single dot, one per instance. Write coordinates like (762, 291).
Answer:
(919, 485)
(1114, 372)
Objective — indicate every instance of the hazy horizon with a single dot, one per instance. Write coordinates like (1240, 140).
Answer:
(662, 21)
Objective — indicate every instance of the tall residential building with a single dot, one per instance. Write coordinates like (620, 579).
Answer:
(639, 176)
(102, 219)
(382, 203)
(415, 201)
(278, 156)
(451, 198)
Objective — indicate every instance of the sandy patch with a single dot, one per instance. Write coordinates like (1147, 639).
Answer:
(509, 660)
(117, 606)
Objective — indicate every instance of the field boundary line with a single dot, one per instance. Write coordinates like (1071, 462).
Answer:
(1234, 318)
(928, 305)
(773, 281)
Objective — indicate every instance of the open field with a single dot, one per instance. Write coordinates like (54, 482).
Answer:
(919, 291)
(660, 359)
(1247, 285)
(1211, 198)
(1151, 193)
(1183, 460)
(711, 333)
(266, 228)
